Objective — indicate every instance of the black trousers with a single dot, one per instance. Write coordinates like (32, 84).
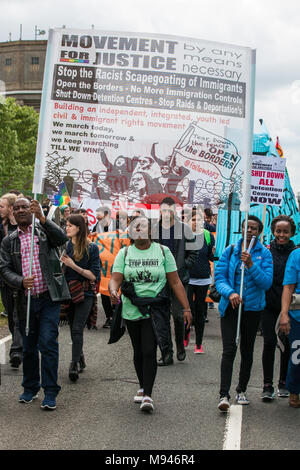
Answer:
(78, 316)
(108, 309)
(177, 313)
(13, 321)
(248, 332)
(198, 309)
(144, 352)
(269, 319)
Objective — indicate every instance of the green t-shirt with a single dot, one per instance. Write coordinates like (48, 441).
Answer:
(147, 270)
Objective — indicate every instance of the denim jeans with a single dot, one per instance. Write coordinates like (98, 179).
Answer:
(42, 337)
(293, 375)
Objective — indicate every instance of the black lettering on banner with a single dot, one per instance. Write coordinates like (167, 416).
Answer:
(142, 88)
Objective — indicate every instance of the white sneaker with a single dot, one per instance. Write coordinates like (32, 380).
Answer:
(139, 396)
(242, 399)
(147, 404)
(224, 405)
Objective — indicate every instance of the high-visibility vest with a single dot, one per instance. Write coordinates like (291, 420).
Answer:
(109, 244)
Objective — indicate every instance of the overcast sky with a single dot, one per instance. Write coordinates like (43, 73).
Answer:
(270, 26)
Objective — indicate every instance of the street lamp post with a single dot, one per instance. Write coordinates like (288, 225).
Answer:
(38, 32)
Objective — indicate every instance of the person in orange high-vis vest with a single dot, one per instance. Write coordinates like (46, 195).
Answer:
(109, 244)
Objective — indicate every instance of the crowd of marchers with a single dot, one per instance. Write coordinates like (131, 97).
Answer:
(51, 268)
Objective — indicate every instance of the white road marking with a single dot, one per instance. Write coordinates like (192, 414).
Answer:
(233, 428)
(4, 345)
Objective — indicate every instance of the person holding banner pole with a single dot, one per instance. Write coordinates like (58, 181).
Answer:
(28, 263)
(241, 305)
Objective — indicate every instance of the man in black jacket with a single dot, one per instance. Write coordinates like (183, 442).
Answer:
(181, 241)
(8, 226)
(44, 312)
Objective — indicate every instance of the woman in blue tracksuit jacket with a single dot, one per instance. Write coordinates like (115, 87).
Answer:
(257, 279)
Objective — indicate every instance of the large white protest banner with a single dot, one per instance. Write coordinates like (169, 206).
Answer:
(267, 183)
(128, 115)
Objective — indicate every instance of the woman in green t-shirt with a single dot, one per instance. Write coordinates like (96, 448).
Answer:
(148, 266)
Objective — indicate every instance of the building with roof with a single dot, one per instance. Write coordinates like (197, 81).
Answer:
(22, 70)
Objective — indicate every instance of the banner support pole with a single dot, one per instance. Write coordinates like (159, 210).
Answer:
(246, 205)
(30, 273)
(237, 340)
(263, 221)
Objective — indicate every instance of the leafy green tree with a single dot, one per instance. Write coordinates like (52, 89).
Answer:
(18, 137)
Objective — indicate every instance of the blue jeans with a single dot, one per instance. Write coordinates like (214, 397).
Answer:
(293, 375)
(42, 337)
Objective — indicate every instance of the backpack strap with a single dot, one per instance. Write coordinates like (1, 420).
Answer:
(163, 251)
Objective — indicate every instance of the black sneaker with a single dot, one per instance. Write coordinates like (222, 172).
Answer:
(15, 361)
(74, 371)
(268, 393)
(282, 392)
(107, 324)
(82, 364)
(168, 361)
(181, 355)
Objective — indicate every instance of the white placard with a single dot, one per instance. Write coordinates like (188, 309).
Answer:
(267, 180)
